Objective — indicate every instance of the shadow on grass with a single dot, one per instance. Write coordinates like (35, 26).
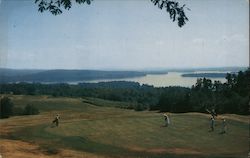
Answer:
(48, 150)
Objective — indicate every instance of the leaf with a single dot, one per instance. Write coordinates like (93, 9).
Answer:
(88, 2)
(174, 9)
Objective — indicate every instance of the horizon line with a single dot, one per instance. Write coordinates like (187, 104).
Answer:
(132, 69)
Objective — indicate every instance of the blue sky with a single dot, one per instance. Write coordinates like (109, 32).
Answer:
(119, 34)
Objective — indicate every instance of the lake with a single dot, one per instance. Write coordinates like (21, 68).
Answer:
(160, 80)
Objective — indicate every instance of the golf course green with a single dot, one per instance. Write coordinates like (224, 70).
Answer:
(88, 127)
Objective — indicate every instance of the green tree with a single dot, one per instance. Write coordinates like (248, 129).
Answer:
(6, 107)
(175, 99)
(30, 110)
(175, 10)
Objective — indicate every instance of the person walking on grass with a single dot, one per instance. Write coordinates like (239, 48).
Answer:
(167, 119)
(211, 124)
(56, 120)
(224, 126)
(212, 113)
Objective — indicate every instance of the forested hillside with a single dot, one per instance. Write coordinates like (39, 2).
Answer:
(229, 97)
(64, 75)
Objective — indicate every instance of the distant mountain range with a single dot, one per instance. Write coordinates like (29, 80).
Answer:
(63, 76)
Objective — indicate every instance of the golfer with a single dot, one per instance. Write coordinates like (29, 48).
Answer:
(224, 126)
(56, 120)
(167, 119)
(211, 124)
(212, 112)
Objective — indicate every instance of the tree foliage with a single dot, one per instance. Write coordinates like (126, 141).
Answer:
(175, 10)
(6, 107)
(55, 6)
(30, 110)
(175, 99)
(229, 97)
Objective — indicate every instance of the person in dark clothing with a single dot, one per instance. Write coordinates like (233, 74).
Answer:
(56, 120)
(212, 112)
(211, 124)
(224, 126)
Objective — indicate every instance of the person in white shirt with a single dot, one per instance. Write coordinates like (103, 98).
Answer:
(167, 119)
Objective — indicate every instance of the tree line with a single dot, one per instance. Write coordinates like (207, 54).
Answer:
(7, 109)
(229, 97)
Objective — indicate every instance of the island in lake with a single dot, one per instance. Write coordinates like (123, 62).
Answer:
(206, 75)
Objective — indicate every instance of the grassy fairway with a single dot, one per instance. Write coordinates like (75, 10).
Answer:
(113, 132)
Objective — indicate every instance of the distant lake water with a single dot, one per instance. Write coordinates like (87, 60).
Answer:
(160, 80)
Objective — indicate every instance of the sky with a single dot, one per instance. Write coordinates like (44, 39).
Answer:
(119, 34)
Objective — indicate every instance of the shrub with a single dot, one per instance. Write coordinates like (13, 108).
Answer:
(30, 110)
(17, 111)
(6, 107)
(139, 107)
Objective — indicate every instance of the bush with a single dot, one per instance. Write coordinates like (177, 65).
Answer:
(6, 107)
(17, 111)
(139, 107)
(30, 110)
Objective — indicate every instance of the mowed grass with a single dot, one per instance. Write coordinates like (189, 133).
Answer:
(115, 132)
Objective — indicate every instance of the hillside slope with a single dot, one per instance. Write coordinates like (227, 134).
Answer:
(112, 132)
